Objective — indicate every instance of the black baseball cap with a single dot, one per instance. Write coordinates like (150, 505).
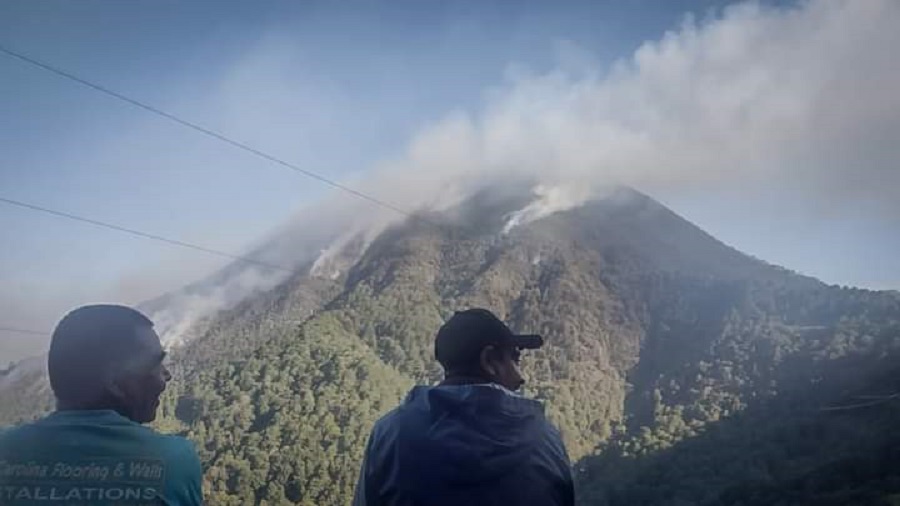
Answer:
(461, 339)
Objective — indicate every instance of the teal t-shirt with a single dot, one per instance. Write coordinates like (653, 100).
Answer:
(98, 458)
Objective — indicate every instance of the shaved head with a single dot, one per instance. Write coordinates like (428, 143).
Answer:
(107, 357)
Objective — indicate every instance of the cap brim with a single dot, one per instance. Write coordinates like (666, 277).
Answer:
(528, 341)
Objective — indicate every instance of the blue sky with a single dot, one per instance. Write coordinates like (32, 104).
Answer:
(334, 87)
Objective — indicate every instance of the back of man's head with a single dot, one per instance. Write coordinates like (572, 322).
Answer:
(475, 345)
(86, 347)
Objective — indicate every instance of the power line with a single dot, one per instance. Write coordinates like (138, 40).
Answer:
(205, 131)
(874, 400)
(138, 233)
(24, 331)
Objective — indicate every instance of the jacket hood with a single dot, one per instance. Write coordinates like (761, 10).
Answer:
(467, 434)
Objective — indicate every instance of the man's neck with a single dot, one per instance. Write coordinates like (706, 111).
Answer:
(459, 379)
(102, 406)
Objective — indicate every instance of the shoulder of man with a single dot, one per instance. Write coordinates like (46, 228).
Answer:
(552, 449)
(386, 425)
(565, 483)
(554, 437)
(7, 433)
(12, 437)
(176, 450)
(184, 471)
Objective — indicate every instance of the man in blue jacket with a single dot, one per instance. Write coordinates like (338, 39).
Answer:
(106, 370)
(470, 440)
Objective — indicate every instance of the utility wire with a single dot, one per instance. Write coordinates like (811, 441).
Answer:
(874, 401)
(205, 131)
(24, 331)
(138, 233)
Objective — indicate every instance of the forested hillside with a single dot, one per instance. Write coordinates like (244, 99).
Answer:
(786, 403)
(679, 370)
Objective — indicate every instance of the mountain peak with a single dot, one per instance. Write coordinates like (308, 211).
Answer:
(625, 228)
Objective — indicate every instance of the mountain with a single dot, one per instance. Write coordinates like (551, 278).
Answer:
(679, 370)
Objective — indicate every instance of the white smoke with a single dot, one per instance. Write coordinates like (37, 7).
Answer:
(804, 96)
(550, 199)
(320, 241)
(322, 266)
(328, 264)
(180, 311)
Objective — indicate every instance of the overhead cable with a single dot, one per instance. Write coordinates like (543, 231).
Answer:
(138, 233)
(206, 131)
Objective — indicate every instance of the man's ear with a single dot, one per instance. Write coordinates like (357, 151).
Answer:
(486, 360)
(113, 385)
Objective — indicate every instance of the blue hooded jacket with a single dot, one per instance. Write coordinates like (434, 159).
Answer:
(465, 444)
